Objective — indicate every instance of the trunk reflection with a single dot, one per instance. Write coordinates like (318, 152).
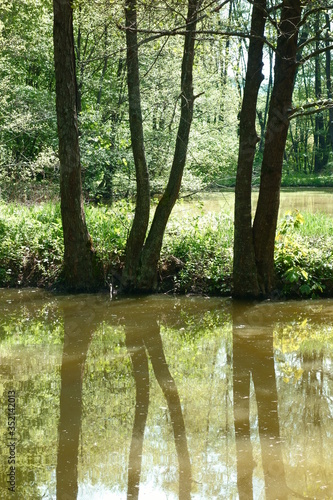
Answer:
(76, 344)
(143, 341)
(253, 357)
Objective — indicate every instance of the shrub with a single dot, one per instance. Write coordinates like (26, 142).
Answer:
(204, 244)
(31, 244)
(304, 262)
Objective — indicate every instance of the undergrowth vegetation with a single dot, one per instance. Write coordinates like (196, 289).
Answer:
(304, 254)
(196, 255)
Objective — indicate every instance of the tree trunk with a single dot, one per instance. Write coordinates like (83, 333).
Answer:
(152, 248)
(244, 268)
(265, 221)
(329, 79)
(254, 246)
(141, 218)
(80, 269)
(140, 273)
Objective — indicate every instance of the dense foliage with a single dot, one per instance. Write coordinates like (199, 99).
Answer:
(28, 142)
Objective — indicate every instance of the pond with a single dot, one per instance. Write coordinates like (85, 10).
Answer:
(304, 200)
(163, 398)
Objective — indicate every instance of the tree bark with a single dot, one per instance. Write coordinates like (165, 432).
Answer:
(141, 217)
(244, 267)
(264, 226)
(140, 272)
(152, 248)
(80, 268)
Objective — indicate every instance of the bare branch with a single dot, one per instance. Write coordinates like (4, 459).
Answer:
(314, 11)
(313, 39)
(315, 53)
(176, 32)
(311, 108)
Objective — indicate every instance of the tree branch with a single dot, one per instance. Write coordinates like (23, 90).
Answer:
(306, 109)
(315, 53)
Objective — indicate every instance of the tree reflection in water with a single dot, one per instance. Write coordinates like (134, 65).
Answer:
(197, 339)
(79, 325)
(253, 357)
(143, 341)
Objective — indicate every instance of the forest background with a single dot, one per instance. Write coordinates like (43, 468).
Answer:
(197, 254)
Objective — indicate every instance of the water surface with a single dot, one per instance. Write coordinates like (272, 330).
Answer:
(318, 200)
(164, 398)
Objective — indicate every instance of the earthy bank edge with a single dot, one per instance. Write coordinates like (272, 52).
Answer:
(196, 255)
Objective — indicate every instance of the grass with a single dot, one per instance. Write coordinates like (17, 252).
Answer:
(203, 244)
(196, 255)
(316, 225)
(31, 245)
(31, 241)
(304, 255)
(307, 180)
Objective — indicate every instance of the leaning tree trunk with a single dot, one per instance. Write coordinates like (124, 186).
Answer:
(80, 270)
(264, 226)
(140, 272)
(152, 248)
(244, 267)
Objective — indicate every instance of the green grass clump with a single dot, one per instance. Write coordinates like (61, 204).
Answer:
(318, 225)
(203, 244)
(109, 228)
(304, 255)
(31, 244)
(31, 240)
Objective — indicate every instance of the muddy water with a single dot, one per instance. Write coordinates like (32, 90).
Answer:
(165, 398)
(305, 200)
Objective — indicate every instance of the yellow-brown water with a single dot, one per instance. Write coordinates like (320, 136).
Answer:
(305, 200)
(164, 398)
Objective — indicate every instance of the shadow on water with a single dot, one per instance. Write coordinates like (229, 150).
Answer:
(253, 361)
(143, 341)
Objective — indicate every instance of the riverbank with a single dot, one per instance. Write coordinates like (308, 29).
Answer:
(196, 256)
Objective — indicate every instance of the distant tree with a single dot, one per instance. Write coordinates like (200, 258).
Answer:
(80, 267)
(328, 73)
(320, 149)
